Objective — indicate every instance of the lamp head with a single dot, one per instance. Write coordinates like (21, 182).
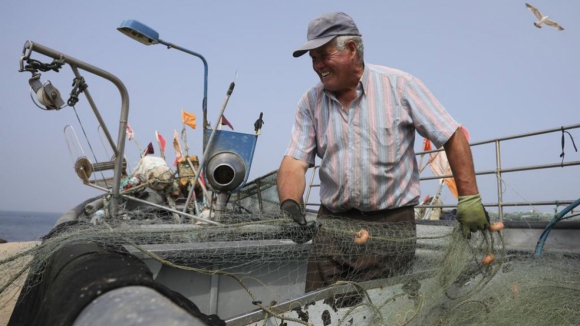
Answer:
(139, 32)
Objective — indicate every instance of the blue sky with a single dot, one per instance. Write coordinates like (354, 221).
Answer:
(491, 68)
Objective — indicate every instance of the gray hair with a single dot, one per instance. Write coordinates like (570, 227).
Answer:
(341, 41)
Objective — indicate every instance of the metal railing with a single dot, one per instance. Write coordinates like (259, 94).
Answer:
(499, 171)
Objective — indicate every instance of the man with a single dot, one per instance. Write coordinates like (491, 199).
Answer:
(360, 120)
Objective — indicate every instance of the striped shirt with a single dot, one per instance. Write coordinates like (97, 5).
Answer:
(367, 156)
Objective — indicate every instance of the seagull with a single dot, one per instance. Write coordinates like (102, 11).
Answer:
(542, 19)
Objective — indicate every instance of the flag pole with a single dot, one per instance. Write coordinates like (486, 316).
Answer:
(137, 144)
(429, 209)
(184, 138)
(131, 136)
(209, 142)
(195, 172)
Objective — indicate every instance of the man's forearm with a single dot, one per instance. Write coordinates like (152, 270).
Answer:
(461, 163)
(291, 179)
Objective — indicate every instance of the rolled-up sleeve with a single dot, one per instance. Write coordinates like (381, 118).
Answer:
(303, 140)
(430, 118)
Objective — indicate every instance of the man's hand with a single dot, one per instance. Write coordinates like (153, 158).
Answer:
(291, 208)
(471, 215)
(301, 233)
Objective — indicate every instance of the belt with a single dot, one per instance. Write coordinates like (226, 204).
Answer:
(379, 212)
(405, 214)
(353, 212)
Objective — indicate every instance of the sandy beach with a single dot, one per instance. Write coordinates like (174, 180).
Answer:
(8, 299)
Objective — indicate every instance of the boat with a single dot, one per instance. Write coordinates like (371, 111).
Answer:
(216, 250)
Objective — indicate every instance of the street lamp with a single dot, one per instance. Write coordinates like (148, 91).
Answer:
(146, 35)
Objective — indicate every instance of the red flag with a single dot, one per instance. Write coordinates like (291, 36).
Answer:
(161, 141)
(202, 178)
(150, 149)
(130, 133)
(225, 122)
(426, 145)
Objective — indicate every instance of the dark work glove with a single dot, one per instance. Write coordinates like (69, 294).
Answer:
(301, 233)
(471, 215)
(291, 208)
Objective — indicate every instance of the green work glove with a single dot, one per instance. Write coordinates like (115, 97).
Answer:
(471, 215)
(291, 208)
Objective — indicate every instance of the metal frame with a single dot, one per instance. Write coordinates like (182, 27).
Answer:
(76, 64)
(498, 172)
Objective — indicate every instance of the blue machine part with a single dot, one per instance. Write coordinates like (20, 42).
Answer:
(229, 159)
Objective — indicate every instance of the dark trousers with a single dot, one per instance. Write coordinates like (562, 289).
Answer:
(335, 257)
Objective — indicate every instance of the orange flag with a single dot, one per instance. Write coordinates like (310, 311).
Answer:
(188, 119)
(450, 182)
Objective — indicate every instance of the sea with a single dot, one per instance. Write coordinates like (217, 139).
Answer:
(26, 226)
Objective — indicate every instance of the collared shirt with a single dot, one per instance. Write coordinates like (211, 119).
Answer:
(367, 156)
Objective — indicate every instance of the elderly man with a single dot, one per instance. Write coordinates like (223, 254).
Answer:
(360, 120)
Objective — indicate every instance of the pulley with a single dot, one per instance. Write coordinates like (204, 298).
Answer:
(46, 93)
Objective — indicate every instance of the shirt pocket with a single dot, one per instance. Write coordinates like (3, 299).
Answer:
(386, 139)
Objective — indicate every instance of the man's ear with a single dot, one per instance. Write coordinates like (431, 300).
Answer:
(351, 46)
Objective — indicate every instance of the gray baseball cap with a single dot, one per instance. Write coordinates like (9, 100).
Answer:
(324, 28)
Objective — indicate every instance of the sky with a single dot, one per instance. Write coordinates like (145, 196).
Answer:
(485, 61)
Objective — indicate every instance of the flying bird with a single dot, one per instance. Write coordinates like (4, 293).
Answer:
(543, 19)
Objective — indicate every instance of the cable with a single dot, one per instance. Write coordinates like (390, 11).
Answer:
(558, 217)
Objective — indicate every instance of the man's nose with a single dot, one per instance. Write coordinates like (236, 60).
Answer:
(318, 65)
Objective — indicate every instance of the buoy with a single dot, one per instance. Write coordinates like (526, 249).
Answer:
(488, 259)
(361, 237)
(497, 226)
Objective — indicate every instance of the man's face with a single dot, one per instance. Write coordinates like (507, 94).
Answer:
(333, 67)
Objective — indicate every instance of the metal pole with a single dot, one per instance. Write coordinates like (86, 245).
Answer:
(498, 175)
(96, 112)
(205, 76)
(206, 152)
(171, 210)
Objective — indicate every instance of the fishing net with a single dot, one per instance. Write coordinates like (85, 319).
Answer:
(260, 259)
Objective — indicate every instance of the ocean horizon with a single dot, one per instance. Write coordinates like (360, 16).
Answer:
(17, 226)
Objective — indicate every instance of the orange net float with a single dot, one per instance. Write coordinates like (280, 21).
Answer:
(497, 226)
(361, 237)
(488, 259)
